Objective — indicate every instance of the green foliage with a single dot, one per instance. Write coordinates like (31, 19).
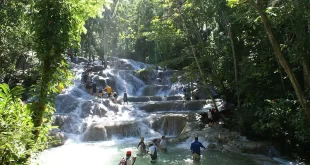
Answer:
(16, 138)
(276, 117)
(15, 39)
(58, 26)
(282, 119)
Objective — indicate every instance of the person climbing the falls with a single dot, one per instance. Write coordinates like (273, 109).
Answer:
(128, 160)
(115, 95)
(141, 147)
(125, 99)
(153, 152)
(94, 91)
(100, 91)
(108, 89)
(84, 77)
(195, 148)
(187, 93)
(196, 93)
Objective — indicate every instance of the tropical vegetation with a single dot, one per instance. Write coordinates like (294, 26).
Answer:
(254, 52)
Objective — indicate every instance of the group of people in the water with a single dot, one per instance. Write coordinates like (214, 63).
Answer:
(97, 90)
(159, 145)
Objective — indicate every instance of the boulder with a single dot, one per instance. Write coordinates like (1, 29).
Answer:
(100, 81)
(56, 138)
(97, 68)
(59, 120)
(93, 108)
(95, 132)
(123, 129)
(170, 124)
(66, 103)
(147, 75)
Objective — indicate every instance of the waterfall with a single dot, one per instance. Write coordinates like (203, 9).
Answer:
(99, 131)
(97, 119)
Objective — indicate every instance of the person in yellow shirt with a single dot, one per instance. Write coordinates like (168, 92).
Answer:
(108, 89)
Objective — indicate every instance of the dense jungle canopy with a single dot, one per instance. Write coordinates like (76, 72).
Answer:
(256, 53)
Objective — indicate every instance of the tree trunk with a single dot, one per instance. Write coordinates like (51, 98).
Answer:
(127, 47)
(200, 71)
(105, 46)
(306, 68)
(278, 53)
(232, 45)
(37, 117)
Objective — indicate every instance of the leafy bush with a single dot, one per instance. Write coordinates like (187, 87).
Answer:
(16, 138)
(282, 118)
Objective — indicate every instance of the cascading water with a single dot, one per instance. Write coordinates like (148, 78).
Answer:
(99, 132)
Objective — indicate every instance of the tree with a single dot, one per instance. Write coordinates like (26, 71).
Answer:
(278, 53)
(58, 25)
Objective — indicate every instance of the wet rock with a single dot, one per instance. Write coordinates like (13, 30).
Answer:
(162, 106)
(95, 132)
(127, 66)
(66, 103)
(147, 75)
(139, 99)
(56, 138)
(100, 81)
(77, 92)
(123, 129)
(144, 98)
(159, 81)
(252, 147)
(170, 124)
(156, 98)
(187, 132)
(160, 74)
(212, 146)
(110, 81)
(172, 98)
(152, 90)
(177, 105)
(194, 104)
(97, 68)
(92, 108)
(59, 120)
(82, 59)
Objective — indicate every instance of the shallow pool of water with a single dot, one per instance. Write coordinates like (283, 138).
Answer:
(111, 152)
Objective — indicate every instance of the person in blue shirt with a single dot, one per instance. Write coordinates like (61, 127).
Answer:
(195, 148)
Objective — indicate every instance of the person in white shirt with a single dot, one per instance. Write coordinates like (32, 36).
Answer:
(163, 144)
(128, 160)
(141, 147)
(153, 152)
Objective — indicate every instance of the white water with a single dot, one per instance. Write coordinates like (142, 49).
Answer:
(109, 152)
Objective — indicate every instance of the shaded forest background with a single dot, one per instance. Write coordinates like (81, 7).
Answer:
(255, 53)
